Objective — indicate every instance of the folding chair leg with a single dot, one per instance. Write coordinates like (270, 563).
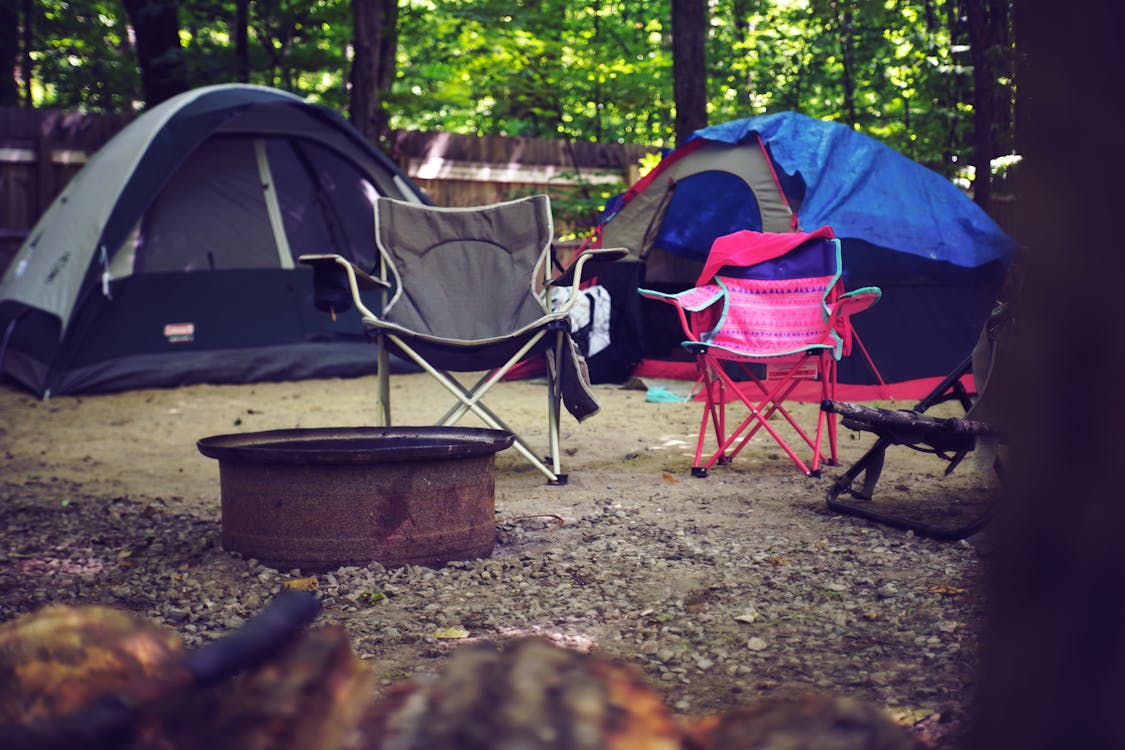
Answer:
(828, 391)
(383, 386)
(760, 414)
(471, 402)
(715, 413)
(493, 420)
(554, 402)
(460, 409)
(871, 467)
(490, 418)
(697, 468)
(772, 404)
(950, 389)
(825, 421)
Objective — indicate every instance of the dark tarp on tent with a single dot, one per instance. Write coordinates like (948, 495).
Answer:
(169, 258)
(939, 259)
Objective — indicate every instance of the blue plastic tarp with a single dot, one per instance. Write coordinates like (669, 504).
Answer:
(866, 190)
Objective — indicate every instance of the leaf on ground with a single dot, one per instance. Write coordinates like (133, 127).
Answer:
(908, 716)
(301, 584)
(669, 478)
(453, 632)
(749, 616)
(943, 589)
(696, 601)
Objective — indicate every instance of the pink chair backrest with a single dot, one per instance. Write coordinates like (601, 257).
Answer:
(774, 318)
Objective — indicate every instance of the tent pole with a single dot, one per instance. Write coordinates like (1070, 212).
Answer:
(273, 207)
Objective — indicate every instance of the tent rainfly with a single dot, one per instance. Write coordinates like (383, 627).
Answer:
(169, 258)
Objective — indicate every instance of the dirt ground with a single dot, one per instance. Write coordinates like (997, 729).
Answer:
(911, 606)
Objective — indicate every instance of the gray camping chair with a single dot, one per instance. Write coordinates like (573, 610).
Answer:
(468, 290)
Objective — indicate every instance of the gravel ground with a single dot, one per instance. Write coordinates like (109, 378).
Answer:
(720, 590)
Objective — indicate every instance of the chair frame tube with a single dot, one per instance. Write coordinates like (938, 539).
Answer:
(716, 379)
(470, 401)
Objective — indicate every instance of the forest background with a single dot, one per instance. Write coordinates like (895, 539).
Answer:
(1054, 671)
(932, 78)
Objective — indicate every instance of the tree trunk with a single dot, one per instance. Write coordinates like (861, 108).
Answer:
(373, 68)
(1053, 671)
(844, 19)
(689, 66)
(741, 12)
(958, 36)
(597, 90)
(983, 101)
(9, 53)
(1003, 75)
(25, 62)
(157, 27)
(242, 40)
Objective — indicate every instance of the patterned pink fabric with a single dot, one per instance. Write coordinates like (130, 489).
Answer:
(699, 297)
(775, 318)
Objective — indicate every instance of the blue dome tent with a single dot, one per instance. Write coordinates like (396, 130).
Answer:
(939, 259)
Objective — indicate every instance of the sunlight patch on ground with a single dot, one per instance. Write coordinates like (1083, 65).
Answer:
(669, 442)
(82, 566)
(574, 641)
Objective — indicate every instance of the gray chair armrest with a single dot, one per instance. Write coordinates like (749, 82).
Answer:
(363, 279)
(573, 272)
(356, 278)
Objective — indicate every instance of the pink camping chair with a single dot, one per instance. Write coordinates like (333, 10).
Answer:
(770, 306)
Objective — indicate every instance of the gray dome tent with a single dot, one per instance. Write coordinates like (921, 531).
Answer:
(169, 258)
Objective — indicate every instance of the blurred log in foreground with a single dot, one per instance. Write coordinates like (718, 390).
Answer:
(815, 721)
(62, 658)
(95, 677)
(314, 694)
(528, 694)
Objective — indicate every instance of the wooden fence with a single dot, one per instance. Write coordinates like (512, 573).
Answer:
(40, 150)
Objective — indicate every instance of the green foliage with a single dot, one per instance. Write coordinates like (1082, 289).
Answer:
(371, 598)
(293, 45)
(540, 69)
(910, 80)
(899, 70)
(83, 56)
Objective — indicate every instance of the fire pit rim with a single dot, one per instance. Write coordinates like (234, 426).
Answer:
(327, 445)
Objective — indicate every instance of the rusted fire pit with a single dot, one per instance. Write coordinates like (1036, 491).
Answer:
(320, 498)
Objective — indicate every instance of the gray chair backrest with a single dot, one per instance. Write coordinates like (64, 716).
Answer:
(465, 273)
